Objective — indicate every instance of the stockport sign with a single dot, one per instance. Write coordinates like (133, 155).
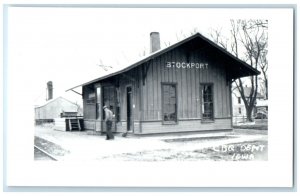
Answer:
(185, 65)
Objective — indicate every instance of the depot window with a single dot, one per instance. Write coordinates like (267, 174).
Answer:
(91, 97)
(207, 102)
(169, 103)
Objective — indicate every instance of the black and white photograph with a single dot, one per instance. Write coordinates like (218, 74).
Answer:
(143, 85)
(188, 92)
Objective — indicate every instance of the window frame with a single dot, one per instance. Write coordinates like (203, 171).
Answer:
(91, 100)
(212, 119)
(239, 100)
(162, 104)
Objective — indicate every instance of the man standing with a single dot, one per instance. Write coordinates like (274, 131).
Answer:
(108, 121)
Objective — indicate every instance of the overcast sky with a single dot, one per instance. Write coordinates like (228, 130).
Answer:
(65, 45)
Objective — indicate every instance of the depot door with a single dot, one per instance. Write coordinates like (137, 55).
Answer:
(109, 100)
(129, 107)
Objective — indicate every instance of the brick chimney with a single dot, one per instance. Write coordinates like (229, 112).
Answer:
(154, 42)
(49, 90)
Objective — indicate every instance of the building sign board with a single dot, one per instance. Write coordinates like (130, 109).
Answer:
(186, 65)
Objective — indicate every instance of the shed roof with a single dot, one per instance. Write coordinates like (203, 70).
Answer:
(53, 100)
(247, 91)
(239, 67)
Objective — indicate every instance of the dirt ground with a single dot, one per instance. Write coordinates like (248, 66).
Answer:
(238, 145)
(246, 151)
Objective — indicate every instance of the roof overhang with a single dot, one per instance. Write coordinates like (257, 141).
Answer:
(239, 68)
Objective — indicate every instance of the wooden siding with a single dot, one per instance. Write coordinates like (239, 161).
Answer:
(132, 79)
(129, 79)
(188, 85)
(147, 93)
(89, 124)
(60, 124)
(99, 126)
(186, 125)
(89, 109)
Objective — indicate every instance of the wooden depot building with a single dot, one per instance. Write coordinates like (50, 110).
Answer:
(182, 88)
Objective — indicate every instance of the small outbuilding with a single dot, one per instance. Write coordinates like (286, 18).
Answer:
(182, 88)
(54, 108)
(239, 109)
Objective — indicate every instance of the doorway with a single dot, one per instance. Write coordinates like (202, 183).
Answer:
(109, 100)
(129, 107)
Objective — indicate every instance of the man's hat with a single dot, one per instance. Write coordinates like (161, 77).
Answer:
(105, 107)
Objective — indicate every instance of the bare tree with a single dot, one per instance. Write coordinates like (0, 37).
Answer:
(79, 108)
(143, 52)
(216, 35)
(252, 36)
(167, 43)
(263, 63)
(248, 38)
(105, 67)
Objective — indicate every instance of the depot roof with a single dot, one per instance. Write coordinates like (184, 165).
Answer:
(239, 68)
